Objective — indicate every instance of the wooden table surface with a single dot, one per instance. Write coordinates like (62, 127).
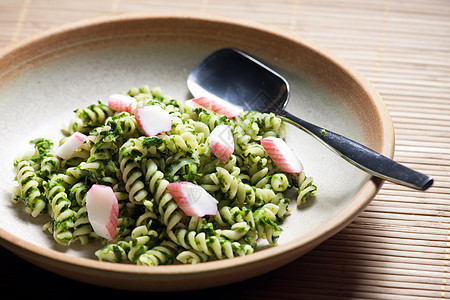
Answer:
(399, 247)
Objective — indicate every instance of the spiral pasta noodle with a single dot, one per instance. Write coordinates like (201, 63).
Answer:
(162, 254)
(306, 188)
(29, 188)
(213, 245)
(132, 177)
(191, 257)
(63, 216)
(88, 118)
(152, 229)
(233, 188)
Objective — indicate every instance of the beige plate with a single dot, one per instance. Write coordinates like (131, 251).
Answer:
(46, 76)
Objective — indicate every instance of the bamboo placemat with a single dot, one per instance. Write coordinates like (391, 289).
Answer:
(399, 247)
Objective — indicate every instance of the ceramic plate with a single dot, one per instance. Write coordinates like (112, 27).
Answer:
(46, 76)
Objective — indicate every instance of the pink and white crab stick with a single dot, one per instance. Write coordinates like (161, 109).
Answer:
(218, 106)
(282, 155)
(103, 210)
(192, 199)
(120, 102)
(153, 119)
(221, 141)
(68, 148)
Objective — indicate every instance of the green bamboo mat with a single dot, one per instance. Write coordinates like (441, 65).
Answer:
(399, 247)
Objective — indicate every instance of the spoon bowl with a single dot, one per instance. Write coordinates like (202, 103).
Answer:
(236, 77)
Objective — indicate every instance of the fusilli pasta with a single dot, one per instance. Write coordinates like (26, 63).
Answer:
(151, 228)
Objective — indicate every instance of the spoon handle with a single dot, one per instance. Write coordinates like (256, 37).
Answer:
(363, 157)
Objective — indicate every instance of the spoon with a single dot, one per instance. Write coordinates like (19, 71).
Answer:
(233, 76)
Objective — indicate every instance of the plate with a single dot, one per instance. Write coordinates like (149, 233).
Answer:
(43, 78)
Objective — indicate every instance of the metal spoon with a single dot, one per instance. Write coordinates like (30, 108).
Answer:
(238, 78)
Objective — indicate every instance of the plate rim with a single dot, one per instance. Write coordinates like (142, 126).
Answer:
(308, 240)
